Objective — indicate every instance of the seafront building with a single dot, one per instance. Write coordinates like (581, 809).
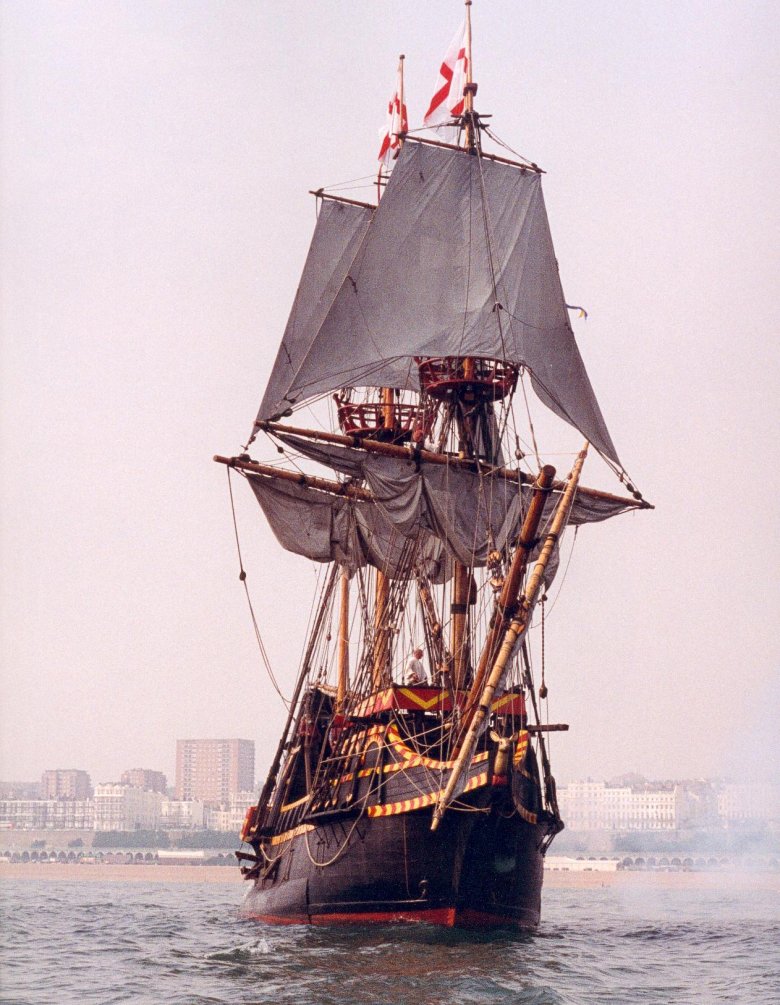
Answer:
(145, 778)
(214, 783)
(630, 804)
(181, 814)
(47, 814)
(600, 806)
(639, 805)
(230, 819)
(748, 803)
(213, 770)
(126, 808)
(65, 783)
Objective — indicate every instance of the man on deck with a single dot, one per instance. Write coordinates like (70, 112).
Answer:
(414, 672)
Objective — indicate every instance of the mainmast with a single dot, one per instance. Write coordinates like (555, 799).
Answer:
(381, 665)
(343, 664)
(462, 578)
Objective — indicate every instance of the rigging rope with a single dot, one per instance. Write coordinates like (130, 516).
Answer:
(340, 851)
(506, 146)
(565, 571)
(242, 577)
(497, 306)
(543, 684)
(530, 420)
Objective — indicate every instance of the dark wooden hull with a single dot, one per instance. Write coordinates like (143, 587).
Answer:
(481, 869)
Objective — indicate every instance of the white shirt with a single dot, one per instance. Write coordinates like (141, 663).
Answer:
(414, 672)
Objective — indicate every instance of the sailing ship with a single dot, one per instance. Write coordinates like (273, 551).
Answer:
(421, 791)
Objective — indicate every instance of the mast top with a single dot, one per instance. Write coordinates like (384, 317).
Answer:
(470, 89)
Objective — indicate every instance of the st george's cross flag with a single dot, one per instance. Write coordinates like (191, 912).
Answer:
(447, 102)
(396, 123)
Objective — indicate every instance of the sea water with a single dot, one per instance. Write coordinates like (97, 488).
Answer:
(185, 944)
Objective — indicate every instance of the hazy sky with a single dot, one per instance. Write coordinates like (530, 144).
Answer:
(156, 159)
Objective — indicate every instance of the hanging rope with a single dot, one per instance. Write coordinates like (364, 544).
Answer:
(530, 420)
(565, 571)
(543, 685)
(371, 787)
(497, 306)
(242, 577)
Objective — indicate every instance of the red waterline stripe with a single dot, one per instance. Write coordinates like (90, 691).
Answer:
(434, 916)
(449, 917)
(274, 919)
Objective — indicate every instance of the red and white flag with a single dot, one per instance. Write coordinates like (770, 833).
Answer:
(397, 122)
(447, 102)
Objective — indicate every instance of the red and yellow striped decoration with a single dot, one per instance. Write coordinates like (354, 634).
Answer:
(521, 747)
(418, 802)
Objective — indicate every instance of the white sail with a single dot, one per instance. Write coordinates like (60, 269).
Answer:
(337, 236)
(457, 260)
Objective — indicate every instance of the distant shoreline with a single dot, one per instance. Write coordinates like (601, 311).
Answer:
(705, 880)
(141, 873)
(230, 876)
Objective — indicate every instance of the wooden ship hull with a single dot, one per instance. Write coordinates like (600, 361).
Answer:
(363, 850)
(481, 870)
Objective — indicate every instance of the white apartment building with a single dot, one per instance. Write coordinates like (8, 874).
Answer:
(43, 814)
(601, 806)
(182, 814)
(744, 803)
(23, 814)
(230, 817)
(126, 808)
(73, 814)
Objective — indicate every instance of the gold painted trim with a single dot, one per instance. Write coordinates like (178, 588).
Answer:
(289, 835)
(290, 806)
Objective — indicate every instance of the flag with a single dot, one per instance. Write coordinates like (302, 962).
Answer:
(396, 123)
(447, 102)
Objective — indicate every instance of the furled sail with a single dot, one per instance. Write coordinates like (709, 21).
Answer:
(327, 528)
(340, 228)
(387, 477)
(456, 514)
(457, 260)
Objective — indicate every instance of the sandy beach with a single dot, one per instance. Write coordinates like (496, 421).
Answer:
(120, 873)
(553, 880)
